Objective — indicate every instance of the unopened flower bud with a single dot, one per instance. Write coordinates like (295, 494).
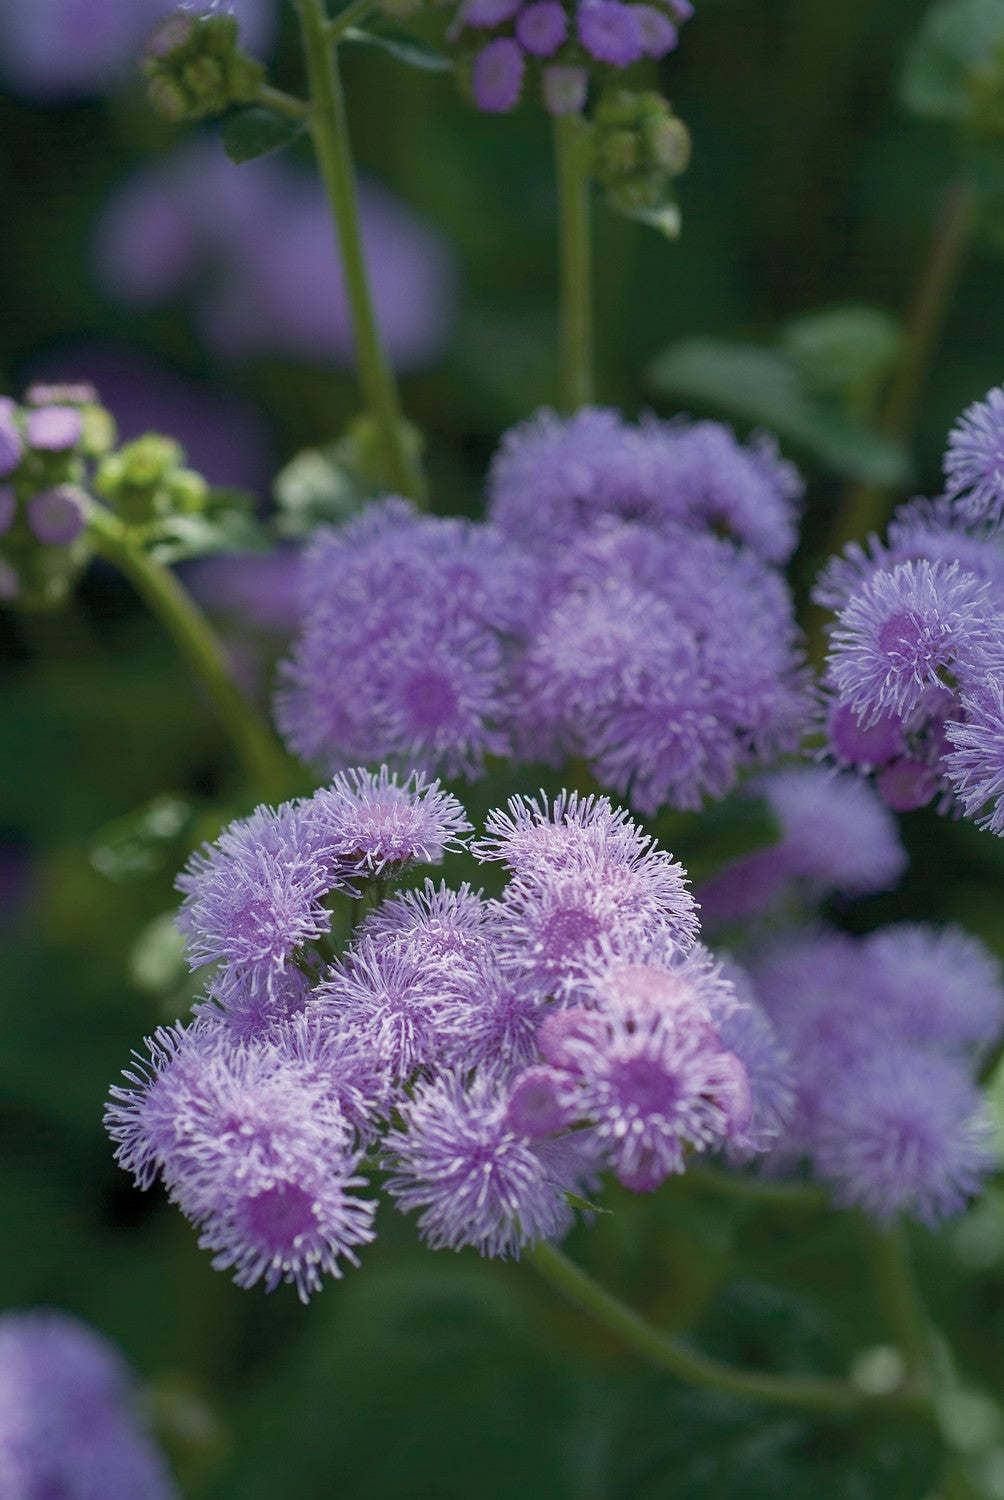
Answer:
(174, 32)
(188, 491)
(54, 429)
(667, 141)
(11, 445)
(58, 516)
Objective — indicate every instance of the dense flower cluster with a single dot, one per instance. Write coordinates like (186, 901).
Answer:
(68, 1423)
(196, 226)
(916, 666)
(886, 1033)
(494, 1056)
(623, 603)
(504, 1050)
(561, 45)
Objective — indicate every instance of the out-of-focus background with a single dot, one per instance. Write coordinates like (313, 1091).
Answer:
(203, 299)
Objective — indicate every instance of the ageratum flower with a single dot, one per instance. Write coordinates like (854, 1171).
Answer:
(974, 460)
(475, 1179)
(69, 1422)
(976, 764)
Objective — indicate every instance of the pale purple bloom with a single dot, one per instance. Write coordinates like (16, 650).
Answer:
(653, 1082)
(497, 76)
(258, 893)
(197, 226)
(865, 745)
(943, 986)
(476, 1180)
(11, 442)
(253, 1012)
(256, 1151)
(745, 1030)
(342, 1060)
(379, 824)
(57, 516)
(610, 32)
(835, 835)
(976, 764)
(974, 460)
(903, 632)
(658, 35)
(69, 1419)
(53, 429)
(565, 88)
(542, 27)
(904, 1132)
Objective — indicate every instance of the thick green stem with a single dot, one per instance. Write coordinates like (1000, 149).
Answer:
(331, 142)
(806, 1393)
(283, 103)
(865, 505)
(571, 142)
(900, 1300)
(266, 764)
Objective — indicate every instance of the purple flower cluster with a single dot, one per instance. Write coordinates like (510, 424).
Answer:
(600, 613)
(917, 648)
(560, 44)
(885, 1032)
(836, 837)
(197, 227)
(68, 1423)
(493, 1056)
(41, 499)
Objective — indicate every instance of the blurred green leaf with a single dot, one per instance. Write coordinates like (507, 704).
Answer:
(144, 841)
(956, 41)
(181, 538)
(844, 351)
(765, 386)
(405, 49)
(157, 958)
(255, 131)
(317, 487)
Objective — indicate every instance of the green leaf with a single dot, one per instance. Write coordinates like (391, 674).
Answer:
(956, 41)
(845, 351)
(180, 538)
(144, 841)
(157, 957)
(663, 216)
(317, 487)
(255, 131)
(765, 386)
(406, 49)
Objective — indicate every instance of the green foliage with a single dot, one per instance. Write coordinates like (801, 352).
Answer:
(958, 45)
(406, 49)
(256, 131)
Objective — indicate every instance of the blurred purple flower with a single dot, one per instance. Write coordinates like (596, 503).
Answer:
(254, 248)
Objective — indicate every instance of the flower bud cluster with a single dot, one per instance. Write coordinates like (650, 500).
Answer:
(45, 447)
(561, 46)
(915, 675)
(639, 147)
(147, 480)
(196, 68)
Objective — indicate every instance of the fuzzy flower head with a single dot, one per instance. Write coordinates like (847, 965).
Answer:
(905, 1132)
(974, 460)
(380, 824)
(976, 763)
(475, 1179)
(69, 1424)
(903, 632)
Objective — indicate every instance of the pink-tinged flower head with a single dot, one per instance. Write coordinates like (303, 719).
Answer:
(903, 632)
(69, 1417)
(476, 1180)
(905, 1132)
(53, 429)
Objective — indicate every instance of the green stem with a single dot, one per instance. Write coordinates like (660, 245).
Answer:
(571, 140)
(866, 505)
(351, 16)
(331, 142)
(262, 757)
(900, 1299)
(283, 103)
(762, 1190)
(806, 1393)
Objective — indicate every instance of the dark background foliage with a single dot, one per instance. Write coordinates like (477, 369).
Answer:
(424, 1375)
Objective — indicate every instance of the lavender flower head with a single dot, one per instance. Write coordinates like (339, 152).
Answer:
(974, 460)
(68, 1423)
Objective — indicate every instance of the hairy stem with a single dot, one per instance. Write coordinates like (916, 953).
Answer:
(331, 142)
(806, 1393)
(575, 260)
(265, 762)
